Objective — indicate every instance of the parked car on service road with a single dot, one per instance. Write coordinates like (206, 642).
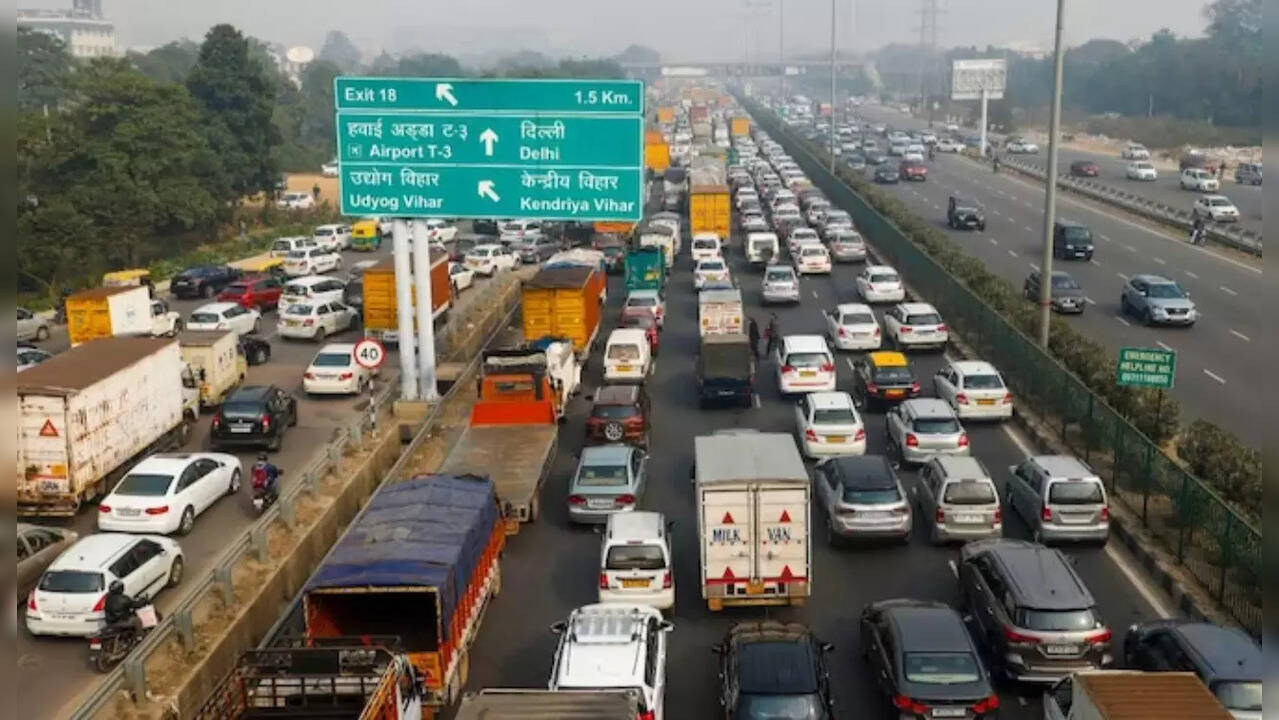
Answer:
(296, 201)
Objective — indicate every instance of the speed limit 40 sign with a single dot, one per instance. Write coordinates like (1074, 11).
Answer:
(369, 353)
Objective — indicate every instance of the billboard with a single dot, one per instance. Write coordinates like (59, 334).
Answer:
(969, 77)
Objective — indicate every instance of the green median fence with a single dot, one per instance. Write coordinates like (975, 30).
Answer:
(1216, 544)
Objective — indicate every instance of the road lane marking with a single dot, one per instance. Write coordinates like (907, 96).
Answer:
(1190, 274)
(1129, 248)
(993, 241)
(1094, 262)
(1214, 376)
(996, 212)
(1240, 335)
(813, 293)
(1159, 260)
(755, 400)
(1029, 229)
(1089, 300)
(1014, 254)
(851, 366)
(954, 569)
(1034, 267)
(1104, 237)
(1122, 320)
(1012, 219)
(1163, 345)
(1228, 291)
(1125, 277)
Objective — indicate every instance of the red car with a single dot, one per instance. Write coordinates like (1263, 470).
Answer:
(1084, 168)
(254, 291)
(913, 170)
(648, 323)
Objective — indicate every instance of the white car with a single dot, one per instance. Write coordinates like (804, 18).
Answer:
(281, 247)
(333, 371)
(441, 231)
(974, 389)
(67, 600)
(29, 357)
(329, 169)
(296, 201)
(645, 302)
(1141, 170)
(707, 271)
(315, 321)
(614, 646)
(949, 145)
(744, 194)
(1135, 151)
(804, 364)
(513, 231)
(800, 236)
(929, 137)
(816, 214)
(914, 153)
(852, 326)
(915, 324)
(461, 277)
(1218, 208)
(312, 289)
(827, 423)
(489, 259)
(705, 246)
(880, 283)
(1199, 179)
(333, 237)
(753, 223)
(311, 261)
(164, 493)
(811, 258)
(227, 316)
(1019, 146)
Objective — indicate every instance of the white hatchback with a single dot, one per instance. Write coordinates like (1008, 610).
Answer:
(281, 247)
(916, 325)
(333, 371)
(311, 261)
(1199, 179)
(827, 423)
(490, 259)
(226, 316)
(438, 230)
(165, 492)
(852, 326)
(974, 389)
(312, 289)
(880, 283)
(315, 321)
(804, 364)
(708, 271)
(636, 565)
(1141, 170)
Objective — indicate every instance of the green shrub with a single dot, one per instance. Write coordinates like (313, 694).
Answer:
(1227, 465)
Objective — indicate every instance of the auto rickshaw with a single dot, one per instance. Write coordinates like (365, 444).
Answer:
(260, 266)
(366, 236)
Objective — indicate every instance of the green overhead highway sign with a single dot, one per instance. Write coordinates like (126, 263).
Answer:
(1147, 367)
(546, 149)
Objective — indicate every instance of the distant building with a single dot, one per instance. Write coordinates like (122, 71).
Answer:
(84, 30)
(1026, 48)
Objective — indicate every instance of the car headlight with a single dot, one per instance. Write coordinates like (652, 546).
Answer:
(1159, 311)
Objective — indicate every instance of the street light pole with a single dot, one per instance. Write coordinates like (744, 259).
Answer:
(781, 43)
(832, 87)
(1050, 196)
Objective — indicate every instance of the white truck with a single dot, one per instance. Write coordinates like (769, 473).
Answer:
(89, 414)
(216, 361)
(752, 518)
(1133, 695)
(719, 312)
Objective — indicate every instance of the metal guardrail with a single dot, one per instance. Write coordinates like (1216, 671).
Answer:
(131, 673)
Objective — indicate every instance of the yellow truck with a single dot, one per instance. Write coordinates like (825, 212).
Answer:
(381, 319)
(657, 156)
(216, 361)
(666, 115)
(118, 310)
(709, 204)
(740, 126)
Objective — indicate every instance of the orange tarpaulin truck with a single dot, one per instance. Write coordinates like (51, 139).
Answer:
(380, 318)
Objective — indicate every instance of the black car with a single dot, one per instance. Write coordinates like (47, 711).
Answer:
(353, 293)
(463, 245)
(484, 226)
(876, 158)
(887, 174)
(1226, 659)
(1072, 240)
(255, 415)
(203, 281)
(256, 351)
(924, 661)
(965, 212)
(774, 670)
(725, 371)
(1066, 295)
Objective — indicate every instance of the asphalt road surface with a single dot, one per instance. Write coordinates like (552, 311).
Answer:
(55, 672)
(550, 568)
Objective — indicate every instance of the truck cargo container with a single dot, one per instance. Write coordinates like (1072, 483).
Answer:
(741, 126)
(752, 519)
(661, 238)
(216, 361)
(657, 157)
(702, 131)
(565, 302)
(511, 439)
(665, 115)
(502, 704)
(117, 310)
(699, 113)
(605, 227)
(709, 200)
(1132, 695)
(646, 269)
(380, 315)
(719, 312)
(418, 563)
(89, 414)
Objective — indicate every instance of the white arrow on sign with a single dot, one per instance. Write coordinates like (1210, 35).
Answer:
(484, 188)
(488, 137)
(444, 91)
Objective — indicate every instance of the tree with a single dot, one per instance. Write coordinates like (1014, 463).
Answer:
(427, 65)
(639, 55)
(236, 95)
(168, 63)
(43, 64)
(339, 50)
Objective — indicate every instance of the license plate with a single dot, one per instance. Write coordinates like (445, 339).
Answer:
(600, 503)
(623, 368)
(635, 582)
(968, 518)
(755, 587)
(291, 323)
(940, 712)
(894, 393)
(50, 486)
(985, 402)
(62, 617)
(1061, 649)
(871, 515)
(836, 438)
(129, 512)
(1074, 519)
(807, 373)
(241, 428)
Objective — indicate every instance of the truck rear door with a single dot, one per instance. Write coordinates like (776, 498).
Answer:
(782, 528)
(728, 524)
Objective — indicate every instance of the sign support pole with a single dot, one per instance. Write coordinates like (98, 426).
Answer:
(404, 309)
(1050, 193)
(425, 312)
(983, 122)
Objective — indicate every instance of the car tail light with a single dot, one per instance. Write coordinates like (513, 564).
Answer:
(1013, 636)
(161, 510)
(987, 704)
(911, 440)
(31, 601)
(941, 516)
(872, 388)
(914, 387)
(1008, 397)
(1046, 514)
(1099, 637)
(876, 331)
(308, 376)
(999, 514)
(308, 322)
(961, 398)
(1105, 513)
(843, 333)
(603, 581)
(901, 702)
(940, 328)
(810, 435)
(100, 604)
(963, 440)
(266, 423)
(346, 376)
(861, 434)
(828, 367)
(788, 369)
(667, 581)
(647, 715)
(576, 500)
(104, 509)
(624, 500)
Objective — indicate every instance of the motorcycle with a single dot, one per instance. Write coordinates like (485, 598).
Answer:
(263, 498)
(114, 643)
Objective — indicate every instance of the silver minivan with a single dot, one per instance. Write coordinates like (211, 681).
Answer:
(1061, 499)
(958, 500)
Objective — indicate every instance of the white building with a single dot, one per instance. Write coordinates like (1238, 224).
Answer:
(86, 33)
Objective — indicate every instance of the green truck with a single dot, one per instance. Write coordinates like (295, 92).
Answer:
(645, 269)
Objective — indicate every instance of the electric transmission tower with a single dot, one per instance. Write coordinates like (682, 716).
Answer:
(928, 13)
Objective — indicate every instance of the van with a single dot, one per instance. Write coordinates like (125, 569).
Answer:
(1248, 173)
(1072, 240)
(761, 248)
(627, 356)
(958, 500)
(1061, 498)
(635, 561)
(804, 364)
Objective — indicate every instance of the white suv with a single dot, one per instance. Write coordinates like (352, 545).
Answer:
(1199, 179)
(614, 646)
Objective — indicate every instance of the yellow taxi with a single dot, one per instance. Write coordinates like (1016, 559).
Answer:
(883, 377)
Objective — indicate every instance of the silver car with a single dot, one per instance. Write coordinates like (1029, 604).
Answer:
(780, 284)
(921, 428)
(1156, 300)
(846, 245)
(609, 479)
(1061, 498)
(31, 326)
(862, 498)
(958, 500)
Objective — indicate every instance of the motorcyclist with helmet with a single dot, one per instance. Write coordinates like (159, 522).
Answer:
(121, 611)
(266, 476)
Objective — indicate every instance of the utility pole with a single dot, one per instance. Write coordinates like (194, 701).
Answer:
(1050, 197)
(781, 43)
(832, 87)
(928, 12)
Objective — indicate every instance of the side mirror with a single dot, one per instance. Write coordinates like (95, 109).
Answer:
(826, 647)
(666, 626)
(669, 524)
(559, 627)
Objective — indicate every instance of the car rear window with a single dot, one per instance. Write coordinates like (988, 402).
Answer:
(1075, 492)
(969, 492)
(923, 319)
(204, 317)
(776, 668)
(298, 309)
(331, 359)
(893, 375)
(871, 495)
(298, 254)
(782, 276)
(635, 557)
(834, 416)
(323, 231)
(71, 581)
(940, 668)
(144, 485)
(602, 475)
(297, 290)
(813, 250)
(807, 360)
(645, 302)
(614, 412)
(1056, 620)
(884, 278)
(623, 351)
(983, 382)
(935, 426)
(236, 289)
(703, 243)
(705, 265)
(1239, 695)
(856, 319)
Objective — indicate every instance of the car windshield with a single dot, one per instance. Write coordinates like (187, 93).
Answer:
(641, 302)
(923, 319)
(704, 243)
(983, 382)
(871, 495)
(776, 668)
(635, 557)
(281, 245)
(1056, 620)
(779, 276)
(331, 359)
(1076, 492)
(1143, 166)
(807, 359)
(1165, 291)
(1239, 695)
(323, 231)
(884, 278)
(614, 412)
(623, 351)
(144, 485)
(71, 581)
(204, 317)
(936, 426)
(298, 310)
(813, 250)
(940, 668)
(235, 289)
(893, 375)
(769, 707)
(1064, 282)
(969, 492)
(1081, 234)
(298, 254)
(1219, 202)
(834, 416)
(602, 475)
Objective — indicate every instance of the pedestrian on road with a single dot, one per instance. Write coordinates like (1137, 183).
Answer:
(773, 334)
(752, 331)
(244, 230)
(315, 190)
(1221, 170)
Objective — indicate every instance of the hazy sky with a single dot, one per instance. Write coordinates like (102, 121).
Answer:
(682, 30)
